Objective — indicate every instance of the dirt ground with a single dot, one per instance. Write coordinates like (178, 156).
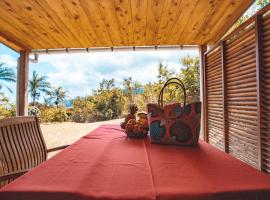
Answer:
(57, 134)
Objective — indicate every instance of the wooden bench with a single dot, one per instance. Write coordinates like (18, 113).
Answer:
(22, 147)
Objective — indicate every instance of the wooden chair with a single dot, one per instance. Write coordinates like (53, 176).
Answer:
(22, 147)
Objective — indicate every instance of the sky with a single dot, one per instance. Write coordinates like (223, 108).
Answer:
(80, 73)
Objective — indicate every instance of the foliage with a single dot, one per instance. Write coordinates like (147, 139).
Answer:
(82, 109)
(59, 96)
(191, 78)
(54, 114)
(7, 109)
(37, 86)
(259, 5)
(262, 3)
(105, 103)
(108, 101)
(34, 111)
(6, 75)
(127, 83)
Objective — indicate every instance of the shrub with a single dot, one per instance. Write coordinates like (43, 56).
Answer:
(34, 111)
(7, 109)
(54, 115)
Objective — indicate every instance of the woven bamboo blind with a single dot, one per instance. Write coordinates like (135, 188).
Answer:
(214, 98)
(237, 89)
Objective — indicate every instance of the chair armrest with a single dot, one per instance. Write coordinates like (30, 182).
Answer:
(56, 148)
(12, 175)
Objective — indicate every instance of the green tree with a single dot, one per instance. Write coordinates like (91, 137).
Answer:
(190, 76)
(6, 75)
(262, 3)
(127, 83)
(106, 84)
(58, 96)
(164, 73)
(37, 85)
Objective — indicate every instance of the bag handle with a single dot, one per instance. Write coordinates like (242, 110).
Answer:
(168, 82)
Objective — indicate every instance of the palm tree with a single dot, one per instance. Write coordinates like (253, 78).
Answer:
(7, 75)
(128, 87)
(38, 85)
(59, 96)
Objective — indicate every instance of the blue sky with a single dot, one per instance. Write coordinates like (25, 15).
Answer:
(81, 73)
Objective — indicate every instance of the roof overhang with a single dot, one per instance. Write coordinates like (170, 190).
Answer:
(57, 24)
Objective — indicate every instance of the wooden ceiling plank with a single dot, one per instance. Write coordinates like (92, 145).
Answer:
(78, 16)
(195, 20)
(171, 12)
(36, 23)
(154, 15)
(206, 29)
(139, 12)
(56, 25)
(124, 16)
(91, 10)
(18, 26)
(68, 20)
(107, 10)
(12, 31)
(196, 28)
(42, 24)
(27, 22)
(180, 23)
(237, 9)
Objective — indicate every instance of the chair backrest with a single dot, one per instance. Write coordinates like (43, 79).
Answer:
(22, 145)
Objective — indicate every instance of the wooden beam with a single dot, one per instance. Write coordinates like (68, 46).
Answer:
(224, 94)
(204, 129)
(259, 67)
(12, 42)
(22, 82)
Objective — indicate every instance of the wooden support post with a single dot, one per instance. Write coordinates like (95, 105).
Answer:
(22, 82)
(203, 93)
(224, 96)
(259, 67)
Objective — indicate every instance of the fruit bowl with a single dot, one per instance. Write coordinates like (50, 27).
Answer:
(131, 134)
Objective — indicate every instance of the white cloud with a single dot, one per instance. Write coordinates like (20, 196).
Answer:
(81, 73)
(8, 60)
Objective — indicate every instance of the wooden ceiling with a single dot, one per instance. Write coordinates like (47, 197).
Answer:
(47, 24)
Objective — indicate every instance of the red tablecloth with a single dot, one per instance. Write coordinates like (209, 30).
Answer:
(106, 165)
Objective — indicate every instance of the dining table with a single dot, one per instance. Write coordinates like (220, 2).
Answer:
(106, 164)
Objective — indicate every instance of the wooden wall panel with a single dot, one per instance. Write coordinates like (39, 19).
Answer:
(214, 98)
(265, 87)
(245, 61)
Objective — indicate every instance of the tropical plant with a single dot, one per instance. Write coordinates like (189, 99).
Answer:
(7, 109)
(164, 73)
(58, 96)
(37, 85)
(34, 111)
(54, 115)
(190, 76)
(128, 83)
(6, 75)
